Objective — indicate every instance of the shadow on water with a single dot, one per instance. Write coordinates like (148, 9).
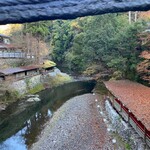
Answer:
(23, 121)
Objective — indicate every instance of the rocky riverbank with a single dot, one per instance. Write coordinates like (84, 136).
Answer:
(77, 125)
(31, 85)
(39, 82)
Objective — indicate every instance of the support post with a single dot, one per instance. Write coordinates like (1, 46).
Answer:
(128, 117)
(120, 107)
(145, 133)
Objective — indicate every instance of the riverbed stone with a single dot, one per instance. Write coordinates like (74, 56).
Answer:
(2, 107)
(77, 125)
(33, 99)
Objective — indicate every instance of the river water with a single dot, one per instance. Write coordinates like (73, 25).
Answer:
(22, 122)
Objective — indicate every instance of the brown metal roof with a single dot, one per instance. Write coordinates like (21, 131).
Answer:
(135, 96)
(30, 67)
(17, 69)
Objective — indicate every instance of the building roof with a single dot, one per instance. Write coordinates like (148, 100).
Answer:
(135, 96)
(5, 36)
(48, 64)
(17, 69)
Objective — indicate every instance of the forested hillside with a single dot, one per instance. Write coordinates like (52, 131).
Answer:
(103, 45)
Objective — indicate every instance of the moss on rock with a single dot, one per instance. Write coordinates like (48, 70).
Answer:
(58, 80)
(36, 89)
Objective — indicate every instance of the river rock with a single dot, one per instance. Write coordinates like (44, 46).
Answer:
(2, 107)
(33, 95)
(33, 99)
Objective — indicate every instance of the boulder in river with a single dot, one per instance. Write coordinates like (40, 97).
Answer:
(33, 99)
(33, 95)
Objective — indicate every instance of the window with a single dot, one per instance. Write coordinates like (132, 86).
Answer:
(6, 41)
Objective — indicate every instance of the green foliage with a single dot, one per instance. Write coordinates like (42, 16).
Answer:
(39, 29)
(61, 37)
(108, 40)
(94, 69)
(127, 146)
(59, 80)
(117, 75)
(36, 89)
(10, 96)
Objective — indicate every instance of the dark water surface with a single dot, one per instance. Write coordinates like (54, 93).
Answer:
(22, 122)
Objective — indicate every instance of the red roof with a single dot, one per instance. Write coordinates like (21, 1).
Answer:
(17, 69)
(135, 96)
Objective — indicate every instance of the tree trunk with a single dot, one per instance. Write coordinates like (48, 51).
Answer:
(135, 17)
(130, 17)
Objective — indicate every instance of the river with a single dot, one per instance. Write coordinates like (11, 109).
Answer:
(22, 122)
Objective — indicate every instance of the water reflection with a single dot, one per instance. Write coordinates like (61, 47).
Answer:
(23, 122)
(23, 139)
(16, 142)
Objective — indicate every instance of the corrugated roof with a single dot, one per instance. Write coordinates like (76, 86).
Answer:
(48, 64)
(135, 96)
(30, 67)
(17, 70)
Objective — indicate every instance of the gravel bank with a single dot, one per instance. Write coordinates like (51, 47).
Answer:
(77, 125)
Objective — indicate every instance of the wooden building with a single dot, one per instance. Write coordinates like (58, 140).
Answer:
(8, 50)
(4, 39)
(18, 73)
(12, 74)
(48, 66)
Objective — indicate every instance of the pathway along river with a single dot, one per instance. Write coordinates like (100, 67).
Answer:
(22, 122)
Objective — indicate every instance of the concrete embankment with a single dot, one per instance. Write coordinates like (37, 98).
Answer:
(37, 83)
(77, 125)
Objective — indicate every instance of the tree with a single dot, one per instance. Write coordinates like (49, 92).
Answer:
(61, 40)
(40, 30)
(107, 39)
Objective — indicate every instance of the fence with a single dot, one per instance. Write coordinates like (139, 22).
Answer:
(12, 54)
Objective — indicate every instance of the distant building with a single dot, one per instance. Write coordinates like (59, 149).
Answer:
(18, 73)
(12, 74)
(4, 39)
(8, 50)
